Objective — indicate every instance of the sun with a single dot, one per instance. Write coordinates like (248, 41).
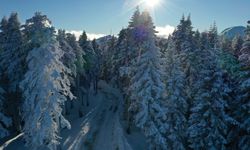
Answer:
(151, 3)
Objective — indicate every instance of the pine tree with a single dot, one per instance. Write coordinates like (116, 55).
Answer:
(176, 101)
(69, 57)
(204, 41)
(5, 121)
(89, 52)
(34, 27)
(146, 88)
(12, 56)
(107, 63)
(228, 60)
(230, 64)
(69, 60)
(242, 114)
(226, 45)
(208, 122)
(98, 60)
(135, 20)
(187, 54)
(3, 33)
(79, 63)
(83, 40)
(197, 39)
(121, 54)
(244, 52)
(12, 66)
(237, 45)
(45, 88)
(213, 37)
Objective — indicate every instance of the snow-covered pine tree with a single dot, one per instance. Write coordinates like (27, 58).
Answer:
(226, 45)
(89, 53)
(69, 57)
(45, 87)
(244, 52)
(120, 57)
(98, 60)
(12, 67)
(230, 64)
(208, 122)
(186, 52)
(197, 39)
(237, 45)
(5, 121)
(183, 34)
(83, 40)
(242, 114)
(3, 28)
(35, 28)
(107, 59)
(213, 37)
(204, 41)
(80, 72)
(147, 87)
(135, 20)
(176, 102)
(228, 59)
(12, 56)
(89, 64)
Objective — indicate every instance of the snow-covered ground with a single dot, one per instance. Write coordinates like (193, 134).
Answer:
(99, 129)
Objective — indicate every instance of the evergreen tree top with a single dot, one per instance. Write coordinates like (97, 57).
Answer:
(4, 24)
(83, 37)
(39, 21)
(135, 18)
(248, 30)
(13, 21)
(61, 34)
(38, 30)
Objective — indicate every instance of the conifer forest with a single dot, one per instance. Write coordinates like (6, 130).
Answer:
(133, 90)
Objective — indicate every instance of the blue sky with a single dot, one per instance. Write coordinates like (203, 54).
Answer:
(109, 16)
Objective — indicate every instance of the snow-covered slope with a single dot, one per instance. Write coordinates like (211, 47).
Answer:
(233, 31)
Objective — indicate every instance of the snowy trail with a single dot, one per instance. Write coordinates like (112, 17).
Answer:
(111, 136)
(99, 129)
(81, 129)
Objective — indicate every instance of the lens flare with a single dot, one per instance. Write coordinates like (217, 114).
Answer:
(151, 3)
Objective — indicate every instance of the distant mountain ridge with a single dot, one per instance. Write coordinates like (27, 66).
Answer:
(231, 32)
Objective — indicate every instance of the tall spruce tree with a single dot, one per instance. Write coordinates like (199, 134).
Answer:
(12, 56)
(147, 87)
(176, 101)
(12, 66)
(69, 57)
(242, 114)
(98, 60)
(45, 86)
(208, 121)
(213, 37)
(79, 63)
(237, 45)
(3, 28)
(89, 53)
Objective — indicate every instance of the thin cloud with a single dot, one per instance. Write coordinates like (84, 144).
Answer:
(91, 36)
(164, 31)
